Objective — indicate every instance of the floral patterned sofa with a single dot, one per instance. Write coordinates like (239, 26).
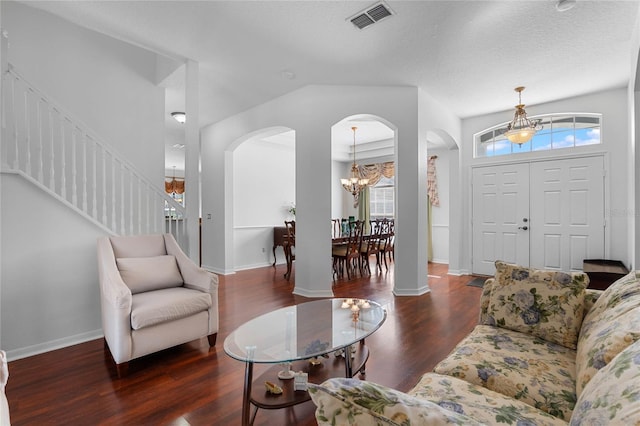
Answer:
(547, 351)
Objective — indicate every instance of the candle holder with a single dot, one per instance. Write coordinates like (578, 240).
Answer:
(286, 374)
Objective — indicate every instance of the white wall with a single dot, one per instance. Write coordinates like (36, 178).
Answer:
(108, 84)
(263, 189)
(49, 282)
(329, 105)
(50, 295)
(612, 105)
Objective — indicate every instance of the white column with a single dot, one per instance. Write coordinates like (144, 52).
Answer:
(313, 210)
(192, 160)
(411, 256)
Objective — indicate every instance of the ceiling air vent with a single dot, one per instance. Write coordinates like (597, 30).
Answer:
(371, 15)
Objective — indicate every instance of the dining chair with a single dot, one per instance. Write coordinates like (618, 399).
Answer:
(384, 241)
(347, 256)
(336, 230)
(289, 246)
(389, 248)
(370, 245)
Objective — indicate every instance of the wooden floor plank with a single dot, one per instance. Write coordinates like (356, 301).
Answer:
(193, 384)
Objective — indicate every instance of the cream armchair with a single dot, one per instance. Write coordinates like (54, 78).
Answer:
(153, 297)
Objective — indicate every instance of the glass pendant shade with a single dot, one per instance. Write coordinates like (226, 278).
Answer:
(521, 129)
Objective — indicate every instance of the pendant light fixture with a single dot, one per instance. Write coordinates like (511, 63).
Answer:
(521, 129)
(354, 183)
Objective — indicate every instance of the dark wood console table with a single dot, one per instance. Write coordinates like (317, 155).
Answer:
(279, 235)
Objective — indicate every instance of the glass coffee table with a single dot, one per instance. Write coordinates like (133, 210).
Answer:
(309, 336)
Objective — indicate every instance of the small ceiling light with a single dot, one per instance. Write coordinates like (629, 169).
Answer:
(521, 129)
(180, 117)
(564, 5)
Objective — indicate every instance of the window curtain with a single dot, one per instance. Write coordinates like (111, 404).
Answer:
(432, 200)
(430, 239)
(375, 172)
(364, 209)
(432, 182)
(174, 185)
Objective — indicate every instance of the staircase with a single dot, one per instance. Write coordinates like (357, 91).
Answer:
(55, 151)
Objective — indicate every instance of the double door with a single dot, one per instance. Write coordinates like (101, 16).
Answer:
(546, 214)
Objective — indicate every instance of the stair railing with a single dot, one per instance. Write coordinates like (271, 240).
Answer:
(54, 150)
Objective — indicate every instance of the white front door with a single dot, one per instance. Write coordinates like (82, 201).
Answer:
(547, 214)
(567, 213)
(500, 216)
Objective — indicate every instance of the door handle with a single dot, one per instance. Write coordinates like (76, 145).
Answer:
(524, 228)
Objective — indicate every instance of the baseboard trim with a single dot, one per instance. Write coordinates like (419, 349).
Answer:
(411, 292)
(218, 270)
(52, 345)
(307, 293)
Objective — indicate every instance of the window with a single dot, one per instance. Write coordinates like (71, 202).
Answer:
(558, 131)
(381, 199)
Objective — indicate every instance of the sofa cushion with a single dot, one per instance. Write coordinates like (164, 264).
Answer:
(155, 307)
(142, 274)
(343, 401)
(612, 396)
(612, 324)
(547, 304)
(481, 404)
(535, 371)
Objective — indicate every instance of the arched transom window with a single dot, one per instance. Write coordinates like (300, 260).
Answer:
(559, 131)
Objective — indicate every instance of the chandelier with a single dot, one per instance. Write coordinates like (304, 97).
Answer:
(354, 184)
(521, 129)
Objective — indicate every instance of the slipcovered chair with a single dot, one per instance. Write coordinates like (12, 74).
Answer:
(153, 297)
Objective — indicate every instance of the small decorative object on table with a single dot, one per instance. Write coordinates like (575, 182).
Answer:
(286, 373)
(315, 347)
(273, 388)
(300, 381)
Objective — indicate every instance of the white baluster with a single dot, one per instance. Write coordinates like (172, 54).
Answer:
(27, 165)
(74, 168)
(94, 180)
(83, 141)
(63, 159)
(104, 186)
(52, 164)
(122, 216)
(16, 158)
(139, 206)
(40, 142)
(114, 227)
(131, 177)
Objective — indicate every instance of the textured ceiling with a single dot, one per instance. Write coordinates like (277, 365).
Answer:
(469, 55)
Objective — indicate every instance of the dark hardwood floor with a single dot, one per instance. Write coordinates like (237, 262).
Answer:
(193, 384)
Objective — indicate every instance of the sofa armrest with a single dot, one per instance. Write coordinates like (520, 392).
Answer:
(485, 318)
(352, 401)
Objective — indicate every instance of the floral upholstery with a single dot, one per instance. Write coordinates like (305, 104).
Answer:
(612, 397)
(517, 365)
(344, 401)
(503, 373)
(547, 304)
(485, 318)
(610, 326)
(479, 403)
